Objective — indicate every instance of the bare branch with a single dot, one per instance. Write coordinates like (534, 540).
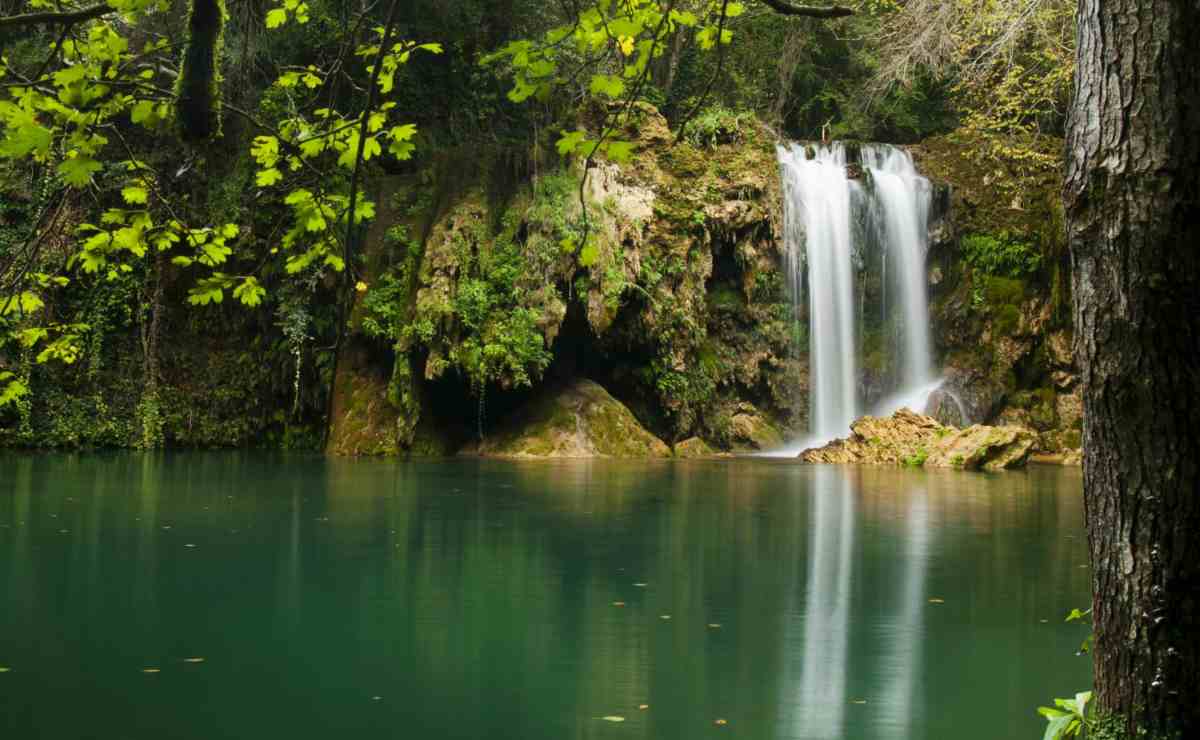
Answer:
(57, 18)
(807, 11)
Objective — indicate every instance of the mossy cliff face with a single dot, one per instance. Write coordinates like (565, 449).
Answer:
(999, 277)
(667, 292)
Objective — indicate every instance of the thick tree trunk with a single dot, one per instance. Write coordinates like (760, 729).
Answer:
(1133, 214)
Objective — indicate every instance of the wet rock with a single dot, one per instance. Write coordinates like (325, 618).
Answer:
(580, 420)
(909, 438)
(979, 392)
(944, 406)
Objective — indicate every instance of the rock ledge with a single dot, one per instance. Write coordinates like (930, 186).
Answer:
(909, 438)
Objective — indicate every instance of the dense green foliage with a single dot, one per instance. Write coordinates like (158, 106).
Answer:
(162, 156)
(1001, 254)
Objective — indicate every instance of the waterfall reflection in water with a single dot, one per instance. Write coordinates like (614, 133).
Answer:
(819, 705)
(819, 710)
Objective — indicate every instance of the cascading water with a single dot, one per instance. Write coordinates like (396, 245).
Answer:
(828, 217)
(900, 209)
(817, 234)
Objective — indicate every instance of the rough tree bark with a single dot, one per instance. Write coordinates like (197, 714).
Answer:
(1132, 196)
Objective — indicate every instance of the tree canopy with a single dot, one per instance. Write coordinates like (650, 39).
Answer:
(229, 144)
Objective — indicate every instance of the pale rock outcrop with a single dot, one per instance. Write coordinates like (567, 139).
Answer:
(909, 438)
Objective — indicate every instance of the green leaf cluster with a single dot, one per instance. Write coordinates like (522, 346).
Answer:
(1067, 718)
(1002, 254)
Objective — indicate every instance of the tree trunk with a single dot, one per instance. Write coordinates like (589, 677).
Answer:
(1133, 216)
(673, 64)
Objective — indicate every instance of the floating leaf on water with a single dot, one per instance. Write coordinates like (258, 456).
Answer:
(714, 625)
(618, 603)
(643, 706)
(936, 600)
(664, 616)
(613, 718)
(858, 701)
(193, 660)
(4, 669)
(151, 670)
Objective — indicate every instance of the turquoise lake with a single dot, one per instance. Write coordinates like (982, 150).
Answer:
(252, 595)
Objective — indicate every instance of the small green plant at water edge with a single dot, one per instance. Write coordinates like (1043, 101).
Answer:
(1068, 717)
(917, 459)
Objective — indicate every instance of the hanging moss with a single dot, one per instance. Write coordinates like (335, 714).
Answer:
(197, 94)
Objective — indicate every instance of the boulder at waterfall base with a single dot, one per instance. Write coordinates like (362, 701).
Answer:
(909, 438)
(580, 420)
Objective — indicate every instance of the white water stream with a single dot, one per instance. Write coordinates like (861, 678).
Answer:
(899, 207)
(822, 206)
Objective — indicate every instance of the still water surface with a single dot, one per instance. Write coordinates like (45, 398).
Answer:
(301, 597)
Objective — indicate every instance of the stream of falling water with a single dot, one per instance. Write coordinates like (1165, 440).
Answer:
(822, 205)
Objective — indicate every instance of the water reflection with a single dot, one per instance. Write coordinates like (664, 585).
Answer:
(900, 667)
(471, 599)
(820, 706)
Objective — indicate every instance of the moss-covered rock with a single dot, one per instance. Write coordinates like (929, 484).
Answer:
(752, 431)
(363, 421)
(982, 447)
(693, 447)
(580, 420)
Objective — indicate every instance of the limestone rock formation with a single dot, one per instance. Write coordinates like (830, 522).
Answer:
(580, 420)
(751, 431)
(909, 438)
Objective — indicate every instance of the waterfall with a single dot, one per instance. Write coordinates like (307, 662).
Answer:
(829, 219)
(816, 223)
(900, 201)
